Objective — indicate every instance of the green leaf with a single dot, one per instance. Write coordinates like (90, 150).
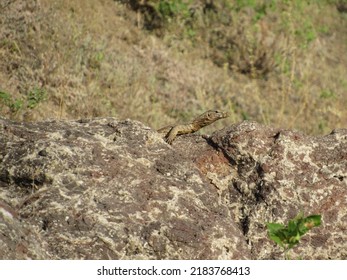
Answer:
(276, 239)
(275, 234)
(274, 227)
(313, 221)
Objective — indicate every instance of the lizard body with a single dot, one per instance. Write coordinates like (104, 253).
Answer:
(201, 121)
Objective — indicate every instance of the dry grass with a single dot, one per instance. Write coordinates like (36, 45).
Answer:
(286, 67)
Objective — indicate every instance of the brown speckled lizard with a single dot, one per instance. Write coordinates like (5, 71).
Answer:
(170, 132)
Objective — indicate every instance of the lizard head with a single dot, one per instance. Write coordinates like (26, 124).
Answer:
(210, 117)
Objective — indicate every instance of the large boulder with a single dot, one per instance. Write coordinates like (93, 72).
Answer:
(110, 189)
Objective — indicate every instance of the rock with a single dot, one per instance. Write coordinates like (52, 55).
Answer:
(110, 189)
(281, 173)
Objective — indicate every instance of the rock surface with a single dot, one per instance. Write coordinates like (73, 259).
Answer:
(110, 189)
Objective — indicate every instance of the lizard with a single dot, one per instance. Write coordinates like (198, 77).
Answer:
(171, 131)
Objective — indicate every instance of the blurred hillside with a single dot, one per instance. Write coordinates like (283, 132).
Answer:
(282, 63)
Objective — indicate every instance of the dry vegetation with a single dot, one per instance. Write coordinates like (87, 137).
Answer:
(282, 63)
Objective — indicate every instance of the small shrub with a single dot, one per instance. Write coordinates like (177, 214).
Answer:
(289, 236)
(35, 96)
(14, 105)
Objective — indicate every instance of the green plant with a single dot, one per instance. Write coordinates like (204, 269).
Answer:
(289, 236)
(260, 8)
(322, 126)
(327, 94)
(35, 96)
(306, 33)
(169, 8)
(14, 105)
(324, 29)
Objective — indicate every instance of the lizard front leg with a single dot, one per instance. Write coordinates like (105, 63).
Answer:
(172, 134)
(179, 130)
